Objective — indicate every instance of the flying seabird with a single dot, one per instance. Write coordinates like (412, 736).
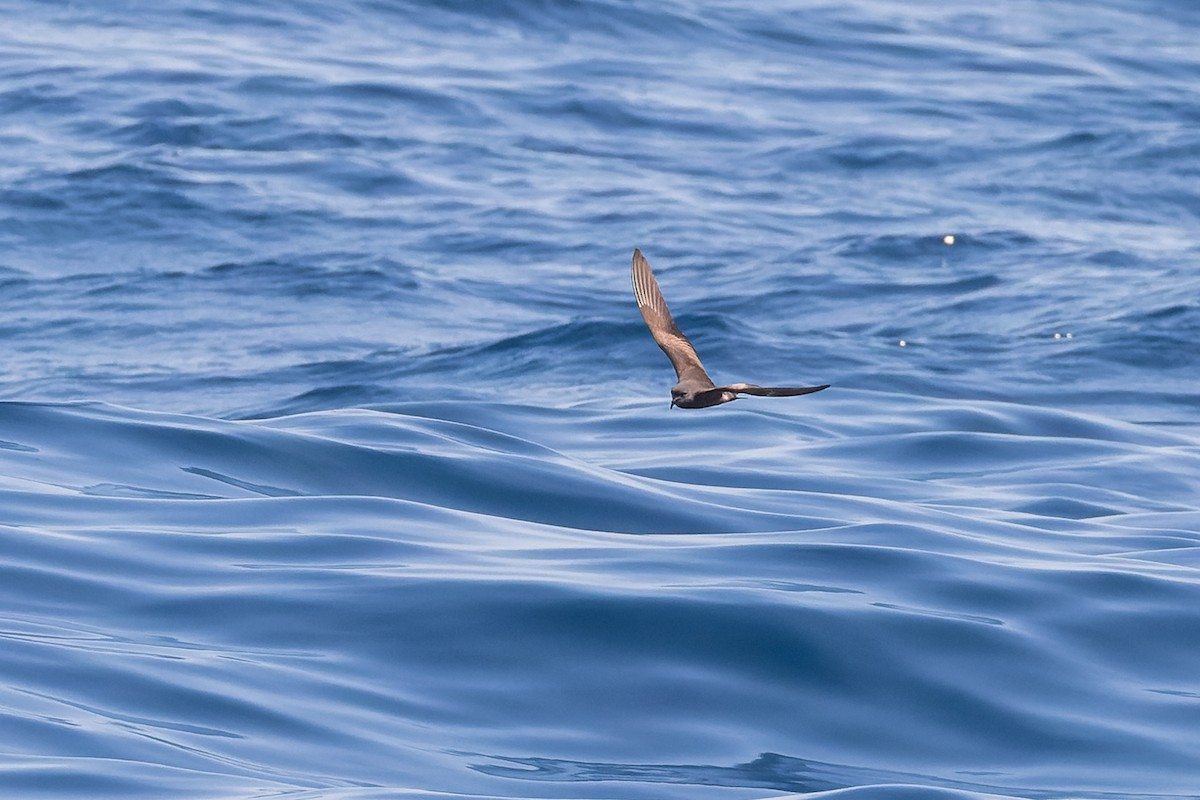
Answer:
(694, 389)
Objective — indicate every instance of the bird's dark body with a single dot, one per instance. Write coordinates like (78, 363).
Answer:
(691, 397)
(694, 388)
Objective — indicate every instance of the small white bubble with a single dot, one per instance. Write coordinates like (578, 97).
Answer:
(948, 238)
(903, 343)
(1068, 336)
(1058, 336)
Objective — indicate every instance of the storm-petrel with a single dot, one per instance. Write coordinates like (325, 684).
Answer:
(694, 389)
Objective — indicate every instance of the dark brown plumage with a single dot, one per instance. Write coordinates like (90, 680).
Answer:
(694, 388)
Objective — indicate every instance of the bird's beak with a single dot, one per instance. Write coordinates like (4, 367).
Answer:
(672, 402)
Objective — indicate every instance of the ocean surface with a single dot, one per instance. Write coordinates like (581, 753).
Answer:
(336, 462)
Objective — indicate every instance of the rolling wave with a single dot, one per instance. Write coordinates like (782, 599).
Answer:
(982, 596)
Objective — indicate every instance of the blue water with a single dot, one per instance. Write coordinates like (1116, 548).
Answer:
(336, 462)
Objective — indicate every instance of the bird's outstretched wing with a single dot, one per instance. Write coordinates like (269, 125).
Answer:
(662, 325)
(762, 391)
(772, 391)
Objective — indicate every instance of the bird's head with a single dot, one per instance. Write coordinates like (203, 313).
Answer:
(680, 397)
